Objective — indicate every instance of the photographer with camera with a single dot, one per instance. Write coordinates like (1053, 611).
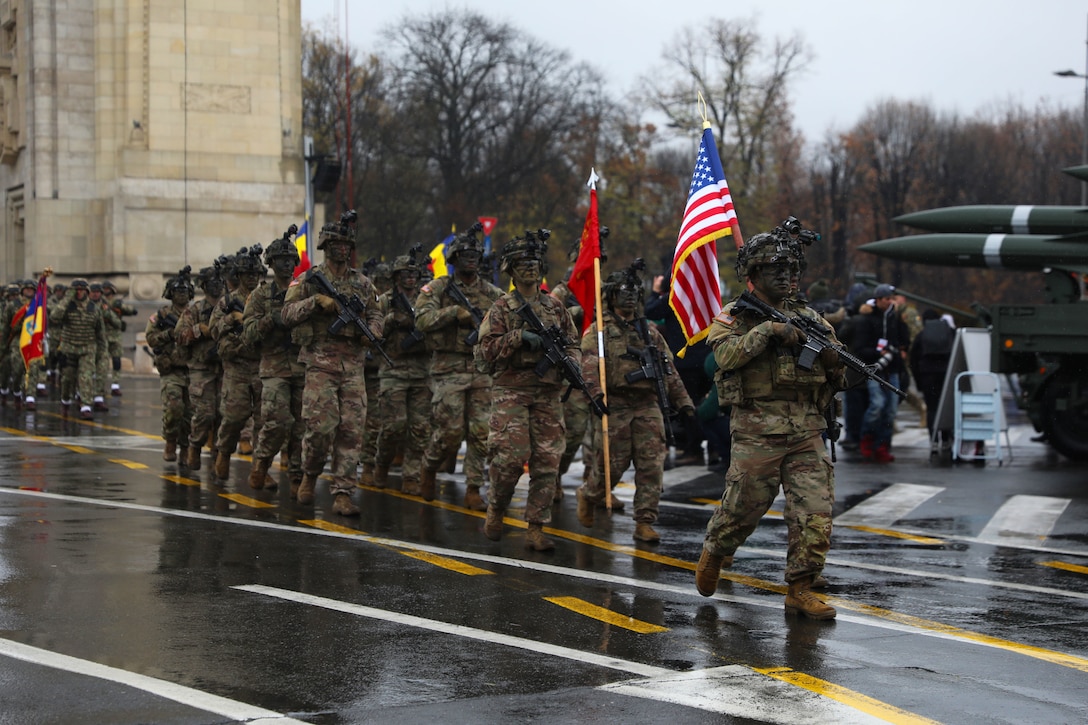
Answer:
(881, 338)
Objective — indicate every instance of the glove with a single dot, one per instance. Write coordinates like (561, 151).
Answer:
(688, 411)
(532, 340)
(464, 317)
(204, 331)
(789, 335)
(829, 356)
(599, 408)
(326, 303)
(236, 316)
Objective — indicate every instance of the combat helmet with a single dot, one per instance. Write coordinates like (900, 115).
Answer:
(248, 261)
(283, 247)
(109, 287)
(209, 276)
(181, 280)
(534, 245)
(765, 248)
(624, 278)
(339, 231)
(576, 248)
(408, 262)
(77, 283)
(465, 242)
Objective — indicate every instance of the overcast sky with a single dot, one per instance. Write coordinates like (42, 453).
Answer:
(962, 55)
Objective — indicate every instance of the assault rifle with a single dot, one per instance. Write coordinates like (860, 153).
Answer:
(652, 366)
(477, 314)
(554, 355)
(349, 312)
(415, 336)
(815, 342)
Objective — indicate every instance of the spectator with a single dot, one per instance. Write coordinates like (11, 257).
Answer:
(881, 338)
(929, 355)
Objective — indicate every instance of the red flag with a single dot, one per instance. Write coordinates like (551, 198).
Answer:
(302, 244)
(695, 292)
(582, 284)
(32, 336)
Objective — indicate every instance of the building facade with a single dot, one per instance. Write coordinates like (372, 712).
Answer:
(138, 136)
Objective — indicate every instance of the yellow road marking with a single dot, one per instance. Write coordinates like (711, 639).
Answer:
(848, 697)
(103, 426)
(128, 464)
(1067, 567)
(180, 479)
(247, 501)
(327, 526)
(75, 449)
(897, 534)
(446, 563)
(607, 616)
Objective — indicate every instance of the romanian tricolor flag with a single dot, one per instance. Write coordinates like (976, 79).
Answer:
(438, 257)
(32, 336)
(302, 243)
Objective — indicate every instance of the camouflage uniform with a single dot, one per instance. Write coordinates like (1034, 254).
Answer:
(171, 361)
(114, 334)
(82, 331)
(461, 394)
(334, 403)
(777, 425)
(576, 415)
(8, 307)
(527, 413)
(111, 324)
(636, 428)
(379, 273)
(404, 392)
(22, 379)
(283, 377)
(205, 368)
(241, 391)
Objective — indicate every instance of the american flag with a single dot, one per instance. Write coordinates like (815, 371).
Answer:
(695, 292)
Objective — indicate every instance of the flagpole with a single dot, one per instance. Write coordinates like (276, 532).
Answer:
(604, 384)
(738, 238)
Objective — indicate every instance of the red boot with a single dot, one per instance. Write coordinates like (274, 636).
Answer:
(866, 447)
(882, 454)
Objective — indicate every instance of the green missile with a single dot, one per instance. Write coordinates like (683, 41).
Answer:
(1018, 220)
(999, 251)
(1078, 172)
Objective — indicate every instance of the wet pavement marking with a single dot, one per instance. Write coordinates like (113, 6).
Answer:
(1029, 519)
(881, 710)
(1065, 566)
(741, 692)
(893, 533)
(460, 630)
(103, 426)
(181, 480)
(447, 563)
(247, 501)
(884, 508)
(128, 464)
(581, 606)
(196, 699)
(874, 616)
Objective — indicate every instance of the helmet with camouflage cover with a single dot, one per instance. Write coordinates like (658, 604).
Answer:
(248, 261)
(465, 242)
(12, 288)
(209, 276)
(109, 288)
(96, 286)
(339, 231)
(624, 279)
(283, 247)
(27, 284)
(765, 248)
(534, 245)
(181, 280)
(408, 262)
(576, 248)
(77, 283)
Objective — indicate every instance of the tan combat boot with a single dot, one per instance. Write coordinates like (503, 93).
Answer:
(381, 476)
(427, 483)
(296, 482)
(170, 450)
(306, 489)
(366, 477)
(245, 447)
(194, 458)
(410, 486)
(536, 540)
(801, 600)
(493, 523)
(222, 466)
(645, 532)
(342, 505)
(709, 571)
(473, 500)
(258, 474)
(585, 510)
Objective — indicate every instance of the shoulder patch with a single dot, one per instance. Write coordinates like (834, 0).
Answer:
(426, 288)
(725, 318)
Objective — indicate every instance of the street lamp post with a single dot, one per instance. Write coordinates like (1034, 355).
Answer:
(1084, 144)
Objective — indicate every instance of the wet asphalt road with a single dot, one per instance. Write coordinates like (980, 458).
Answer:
(135, 591)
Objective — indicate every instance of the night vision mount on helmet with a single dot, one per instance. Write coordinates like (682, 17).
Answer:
(339, 231)
(533, 245)
(283, 247)
(182, 280)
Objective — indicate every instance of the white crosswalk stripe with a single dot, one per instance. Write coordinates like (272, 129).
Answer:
(1024, 519)
(885, 508)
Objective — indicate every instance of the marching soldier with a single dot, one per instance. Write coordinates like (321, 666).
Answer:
(113, 335)
(282, 375)
(462, 395)
(637, 361)
(111, 322)
(171, 361)
(82, 329)
(205, 370)
(382, 276)
(334, 397)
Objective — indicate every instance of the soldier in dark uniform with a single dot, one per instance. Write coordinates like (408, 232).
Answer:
(527, 411)
(282, 375)
(334, 400)
(636, 426)
(462, 394)
(171, 361)
(777, 425)
(205, 370)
